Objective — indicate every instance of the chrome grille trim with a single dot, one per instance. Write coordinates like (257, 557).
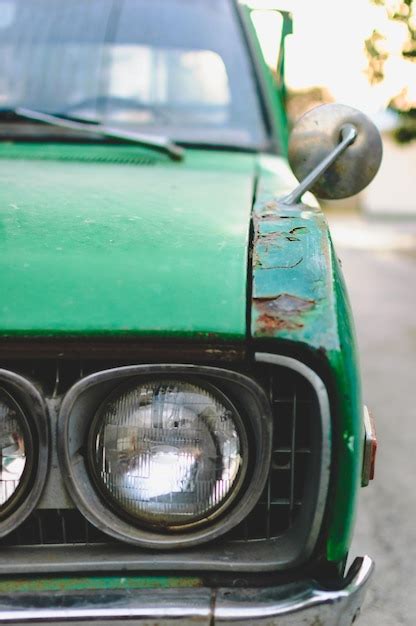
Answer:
(326, 439)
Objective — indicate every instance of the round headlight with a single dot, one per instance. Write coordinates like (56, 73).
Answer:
(168, 453)
(15, 442)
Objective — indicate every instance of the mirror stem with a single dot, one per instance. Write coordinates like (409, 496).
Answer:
(348, 136)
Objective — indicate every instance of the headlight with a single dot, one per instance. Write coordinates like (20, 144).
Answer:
(15, 442)
(168, 453)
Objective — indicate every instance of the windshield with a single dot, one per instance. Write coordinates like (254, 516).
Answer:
(178, 68)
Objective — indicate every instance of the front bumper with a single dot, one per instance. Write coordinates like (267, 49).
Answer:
(287, 605)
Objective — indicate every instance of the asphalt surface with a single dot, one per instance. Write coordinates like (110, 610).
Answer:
(379, 263)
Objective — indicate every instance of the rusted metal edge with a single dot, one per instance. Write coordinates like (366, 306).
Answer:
(128, 349)
(292, 295)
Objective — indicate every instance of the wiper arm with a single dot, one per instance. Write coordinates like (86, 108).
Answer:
(161, 144)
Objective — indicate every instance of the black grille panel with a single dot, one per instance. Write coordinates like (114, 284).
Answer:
(296, 417)
(55, 527)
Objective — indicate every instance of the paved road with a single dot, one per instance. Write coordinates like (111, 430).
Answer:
(382, 286)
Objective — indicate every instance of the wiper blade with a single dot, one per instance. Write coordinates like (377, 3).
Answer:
(161, 144)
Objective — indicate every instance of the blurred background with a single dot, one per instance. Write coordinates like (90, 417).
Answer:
(363, 53)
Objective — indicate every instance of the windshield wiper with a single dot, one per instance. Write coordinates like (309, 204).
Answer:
(161, 144)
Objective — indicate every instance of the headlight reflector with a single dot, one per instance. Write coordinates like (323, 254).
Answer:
(169, 453)
(14, 444)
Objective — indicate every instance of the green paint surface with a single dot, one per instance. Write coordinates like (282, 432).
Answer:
(70, 583)
(100, 246)
(299, 296)
(345, 367)
(292, 281)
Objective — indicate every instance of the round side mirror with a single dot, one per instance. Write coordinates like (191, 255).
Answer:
(318, 133)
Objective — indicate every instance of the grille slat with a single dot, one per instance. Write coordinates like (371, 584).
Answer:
(292, 457)
(63, 526)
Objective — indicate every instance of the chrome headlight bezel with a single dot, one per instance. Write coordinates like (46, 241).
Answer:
(78, 410)
(24, 395)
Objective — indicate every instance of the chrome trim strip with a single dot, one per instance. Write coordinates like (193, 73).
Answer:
(286, 605)
(110, 606)
(325, 457)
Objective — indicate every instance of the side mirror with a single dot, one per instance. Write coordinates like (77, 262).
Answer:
(335, 151)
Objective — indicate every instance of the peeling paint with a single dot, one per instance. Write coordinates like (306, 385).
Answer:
(283, 311)
(292, 275)
(70, 583)
(269, 323)
(349, 440)
(286, 304)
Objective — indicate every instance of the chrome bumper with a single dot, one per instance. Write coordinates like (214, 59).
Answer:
(288, 605)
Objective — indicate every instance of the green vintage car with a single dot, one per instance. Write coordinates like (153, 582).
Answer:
(182, 436)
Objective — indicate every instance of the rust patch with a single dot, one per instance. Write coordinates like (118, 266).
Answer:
(284, 312)
(285, 303)
(268, 323)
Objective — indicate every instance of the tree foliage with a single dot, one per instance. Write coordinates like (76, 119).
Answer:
(377, 51)
(402, 11)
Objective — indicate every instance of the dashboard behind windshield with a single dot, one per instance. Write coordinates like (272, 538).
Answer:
(169, 67)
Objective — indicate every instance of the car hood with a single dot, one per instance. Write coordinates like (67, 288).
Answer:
(112, 240)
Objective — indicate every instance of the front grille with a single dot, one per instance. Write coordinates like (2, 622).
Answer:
(296, 417)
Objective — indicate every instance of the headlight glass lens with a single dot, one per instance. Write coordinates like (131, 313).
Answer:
(168, 452)
(13, 447)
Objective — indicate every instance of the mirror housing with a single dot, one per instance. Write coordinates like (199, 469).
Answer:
(335, 151)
